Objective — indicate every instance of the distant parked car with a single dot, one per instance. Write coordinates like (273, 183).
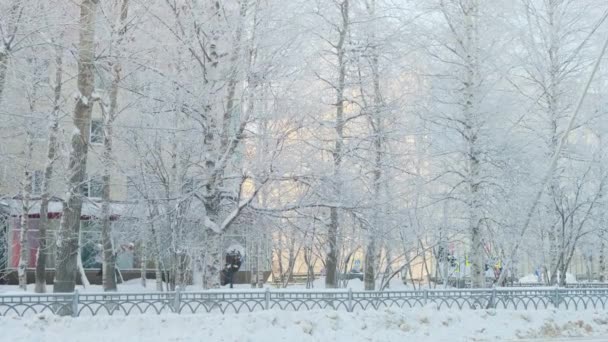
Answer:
(352, 275)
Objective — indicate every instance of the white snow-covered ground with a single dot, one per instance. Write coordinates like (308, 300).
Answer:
(135, 286)
(420, 324)
(531, 278)
(426, 324)
(319, 285)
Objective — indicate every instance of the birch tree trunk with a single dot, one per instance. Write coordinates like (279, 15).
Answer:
(231, 114)
(48, 174)
(109, 116)
(67, 244)
(156, 243)
(219, 149)
(158, 275)
(470, 110)
(25, 222)
(376, 124)
(602, 257)
(213, 260)
(81, 273)
(144, 264)
(3, 69)
(331, 262)
(6, 42)
(602, 227)
(551, 97)
(27, 186)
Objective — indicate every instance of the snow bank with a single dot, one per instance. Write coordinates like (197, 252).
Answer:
(528, 279)
(425, 324)
(531, 278)
(130, 286)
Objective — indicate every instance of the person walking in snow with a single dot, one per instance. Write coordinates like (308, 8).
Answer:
(233, 263)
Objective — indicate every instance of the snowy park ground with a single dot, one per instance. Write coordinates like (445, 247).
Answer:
(136, 286)
(393, 324)
(426, 324)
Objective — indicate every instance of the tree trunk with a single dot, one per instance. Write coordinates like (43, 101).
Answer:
(260, 261)
(369, 276)
(48, 174)
(25, 222)
(213, 261)
(155, 241)
(602, 257)
(470, 109)
(553, 255)
(562, 274)
(144, 264)
(158, 274)
(81, 273)
(231, 114)
(109, 254)
(253, 265)
(377, 129)
(3, 69)
(331, 263)
(602, 231)
(6, 42)
(67, 245)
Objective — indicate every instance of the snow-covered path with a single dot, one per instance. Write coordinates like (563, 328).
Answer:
(425, 324)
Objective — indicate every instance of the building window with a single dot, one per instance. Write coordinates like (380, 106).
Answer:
(37, 180)
(93, 187)
(102, 78)
(96, 131)
(132, 189)
(90, 244)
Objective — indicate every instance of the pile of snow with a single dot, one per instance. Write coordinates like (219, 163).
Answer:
(426, 324)
(531, 278)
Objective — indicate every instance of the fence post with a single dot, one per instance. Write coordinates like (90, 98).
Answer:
(267, 299)
(350, 300)
(177, 299)
(493, 298)
(426, 297)
(556, 297)
(75, 303)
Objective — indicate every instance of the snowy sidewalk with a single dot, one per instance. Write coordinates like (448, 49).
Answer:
(426, 324)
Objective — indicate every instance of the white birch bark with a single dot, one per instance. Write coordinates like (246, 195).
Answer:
(331, 261)
(67, 244)
(25, 222)
(3, 69)
(377, 130)
(6, 41)
(81, 273)
(51, 157)
(109, 116)
(471, 82)
(27, 183)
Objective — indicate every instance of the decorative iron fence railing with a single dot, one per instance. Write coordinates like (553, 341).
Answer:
(93, 304)
(568, 286)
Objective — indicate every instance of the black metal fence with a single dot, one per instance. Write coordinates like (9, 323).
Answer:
(93, 304)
